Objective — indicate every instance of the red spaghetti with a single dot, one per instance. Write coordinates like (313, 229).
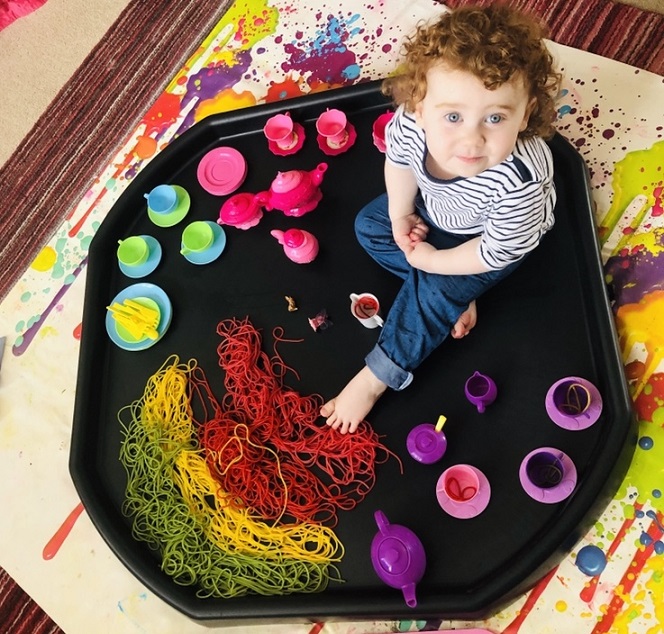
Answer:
(265, 445)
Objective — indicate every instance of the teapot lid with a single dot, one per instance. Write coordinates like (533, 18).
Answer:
(286, 181)
(238, 209)
(397, 554)
(426, 444)
(294, 238)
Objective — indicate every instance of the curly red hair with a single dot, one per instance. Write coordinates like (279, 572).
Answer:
(495, 44)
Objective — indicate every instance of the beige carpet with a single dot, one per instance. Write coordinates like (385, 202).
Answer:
(40, 52)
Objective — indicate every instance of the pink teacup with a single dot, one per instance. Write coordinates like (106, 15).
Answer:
(332, 125)
(279, 130)
(378, 130)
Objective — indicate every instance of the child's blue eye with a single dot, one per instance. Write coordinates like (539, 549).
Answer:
(494, 118)
(453, 117)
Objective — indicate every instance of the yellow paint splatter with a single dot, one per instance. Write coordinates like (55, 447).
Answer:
(646, 470)
(47, 331)
(225, 101)
(243, 25)
(655, 586)
(561, 606)
(45, 259)
(639, 173)
(642, 322)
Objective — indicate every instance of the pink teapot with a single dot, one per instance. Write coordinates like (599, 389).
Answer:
(299, 245)
(295, 192)
(240, 210)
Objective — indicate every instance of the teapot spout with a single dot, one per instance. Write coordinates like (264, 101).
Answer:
(262, 199)
(318, 173)
(279, 235)
(409, 595)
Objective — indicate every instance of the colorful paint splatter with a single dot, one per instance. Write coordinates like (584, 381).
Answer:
(612, 115)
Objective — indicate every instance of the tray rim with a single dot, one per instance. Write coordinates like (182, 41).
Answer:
(484, 601)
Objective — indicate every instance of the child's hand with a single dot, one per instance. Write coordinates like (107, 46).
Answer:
(419, 256)
(408, 231)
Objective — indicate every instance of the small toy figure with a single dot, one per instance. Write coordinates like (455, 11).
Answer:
(320, 321)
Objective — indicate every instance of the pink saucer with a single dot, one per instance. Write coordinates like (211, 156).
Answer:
(221, 171)
(299, 132)
(333, 151)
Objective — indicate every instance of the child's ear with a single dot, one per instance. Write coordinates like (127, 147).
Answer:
(526, 117)
(418, 113)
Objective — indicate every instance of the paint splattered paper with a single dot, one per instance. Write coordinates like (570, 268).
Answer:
(268, 51)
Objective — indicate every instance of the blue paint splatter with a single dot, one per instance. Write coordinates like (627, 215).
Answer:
(591, 560)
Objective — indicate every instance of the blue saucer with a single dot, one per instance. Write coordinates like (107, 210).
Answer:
(211, 254)
(175, 216)
(142, 289)
(149, 265)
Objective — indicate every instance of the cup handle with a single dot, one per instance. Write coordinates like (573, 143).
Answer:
(354, 297)
(379, 320)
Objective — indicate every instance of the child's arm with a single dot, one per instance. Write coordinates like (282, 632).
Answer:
(407, 226)
(460, 260)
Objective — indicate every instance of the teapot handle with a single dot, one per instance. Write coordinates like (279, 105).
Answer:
(382, 521)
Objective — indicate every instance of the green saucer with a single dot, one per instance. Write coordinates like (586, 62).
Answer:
(175, 216)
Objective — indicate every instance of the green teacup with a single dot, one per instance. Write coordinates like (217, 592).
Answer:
(197, 237)
(133, 251)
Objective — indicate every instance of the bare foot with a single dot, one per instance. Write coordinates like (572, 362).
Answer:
(354, 402)
(466, 321)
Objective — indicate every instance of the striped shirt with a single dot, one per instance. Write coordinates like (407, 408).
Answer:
(509, 205)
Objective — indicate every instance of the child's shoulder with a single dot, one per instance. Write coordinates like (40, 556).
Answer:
(535, 155)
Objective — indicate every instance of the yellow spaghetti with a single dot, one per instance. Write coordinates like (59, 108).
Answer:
(179, 509)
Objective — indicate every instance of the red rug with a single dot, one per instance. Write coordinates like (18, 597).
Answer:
(617, 31)
(143, 51)
(11, 10)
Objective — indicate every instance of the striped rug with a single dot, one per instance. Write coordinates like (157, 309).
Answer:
(84, 126)
(618, 31)
(95, 107)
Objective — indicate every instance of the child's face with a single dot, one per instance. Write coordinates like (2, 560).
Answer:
(468, 127)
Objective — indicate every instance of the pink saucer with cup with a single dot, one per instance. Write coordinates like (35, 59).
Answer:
(463, 491)
(378, 130)
(335, 133)
(284, 136)
(221, 171)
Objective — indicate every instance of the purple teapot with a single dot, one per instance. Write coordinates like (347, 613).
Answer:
(398, 557)
(299, 245)
(295, 192)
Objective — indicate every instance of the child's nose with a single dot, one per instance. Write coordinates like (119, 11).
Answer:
(473, 136)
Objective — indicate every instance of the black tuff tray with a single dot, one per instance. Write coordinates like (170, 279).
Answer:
(549, 320)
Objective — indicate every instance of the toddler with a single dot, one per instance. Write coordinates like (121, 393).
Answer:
(469, 186)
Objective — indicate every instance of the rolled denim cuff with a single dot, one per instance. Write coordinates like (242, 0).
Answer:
(386, 370)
